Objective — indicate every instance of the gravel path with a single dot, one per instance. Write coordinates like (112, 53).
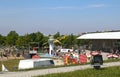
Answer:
(52, 70)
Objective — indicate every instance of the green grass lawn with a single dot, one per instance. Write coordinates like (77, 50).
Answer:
(103, 72)
(11, 65)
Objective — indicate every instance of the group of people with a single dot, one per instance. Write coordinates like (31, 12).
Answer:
(8, 54)
(73, 57)
(79, 58)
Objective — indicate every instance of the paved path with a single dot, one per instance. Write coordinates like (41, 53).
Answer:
(52, 70)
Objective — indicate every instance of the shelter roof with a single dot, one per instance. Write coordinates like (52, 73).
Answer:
(104, 35)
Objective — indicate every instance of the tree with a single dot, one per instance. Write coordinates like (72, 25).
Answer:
(57, 35)
(11, 38)
(20, 41)
(2, 40)
(32, 37)
(39, 38)
(26, 39)
(67, 41)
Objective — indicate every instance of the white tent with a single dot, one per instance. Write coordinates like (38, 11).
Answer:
(105, 35)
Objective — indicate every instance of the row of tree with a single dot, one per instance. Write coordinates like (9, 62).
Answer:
(14, 39)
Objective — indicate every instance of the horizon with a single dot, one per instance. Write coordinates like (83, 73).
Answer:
(64, 16)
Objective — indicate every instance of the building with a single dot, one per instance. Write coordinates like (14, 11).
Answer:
(105, 41)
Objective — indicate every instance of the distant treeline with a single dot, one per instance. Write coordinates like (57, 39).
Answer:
(14, 39)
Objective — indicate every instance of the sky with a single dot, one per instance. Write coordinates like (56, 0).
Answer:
(64, 16)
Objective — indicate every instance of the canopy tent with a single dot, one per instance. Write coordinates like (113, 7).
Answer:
(105, 35)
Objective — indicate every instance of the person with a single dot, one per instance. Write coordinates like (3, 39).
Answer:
(79, 51)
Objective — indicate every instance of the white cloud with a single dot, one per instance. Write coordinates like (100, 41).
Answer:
(14, 11)
(75, 7)
(60, 7)
(97, 5)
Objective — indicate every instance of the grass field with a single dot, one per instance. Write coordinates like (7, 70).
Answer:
(104, 72)
(11, 65)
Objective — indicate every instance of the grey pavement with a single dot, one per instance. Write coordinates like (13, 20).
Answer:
(52, 70)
